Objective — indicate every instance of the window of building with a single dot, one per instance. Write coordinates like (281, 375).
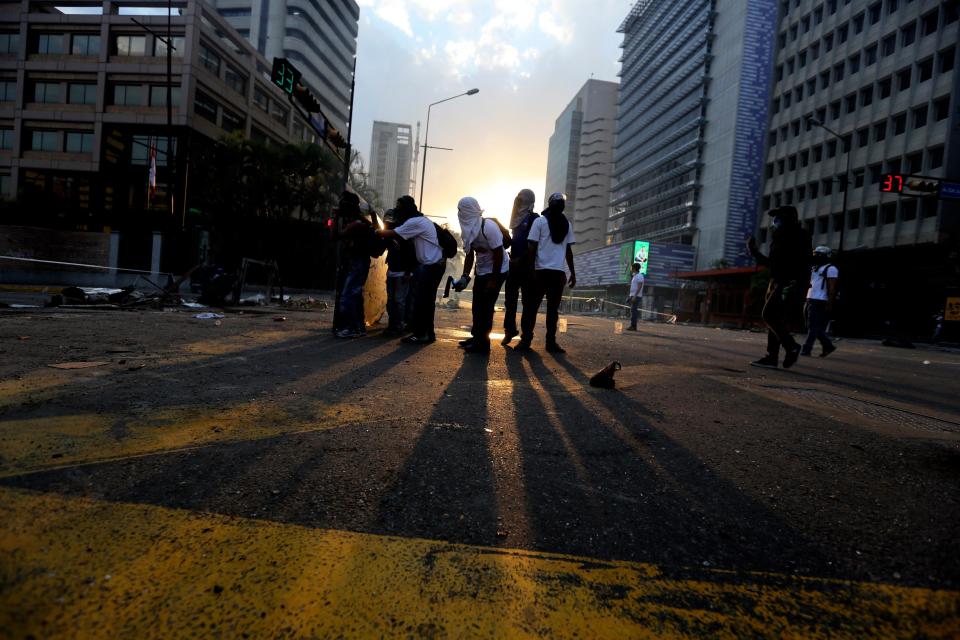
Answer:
(828, 43)
(787, 99)
(851, 103)
(801, 193)
(853, 219)
(888, 213)
(804, 158)
(230, 121)
(781, 166)
(51, 43)
(79, 142)
(842, 182)
(158, 95)
(8, 90)
(772, 137)
(834, 109)
(49, 92)
(783, 133)
(842, 32)
(6, 139)
(892, 5)
(788, 196)
(782, 40)
(899, 124)
(814, 51)
(85, 45)
(832, 149)
(160, 47)
(831, 6)
(817, 153)
(209, 59)
(893, 165)
(876, 170)
(791, 65)
(824, 79)
(853, 63)
(822, 114)
(802, 59)
(941, 108)
(874, 12)
(769, 170)
(946, 59)
(827, 184)
(836, 221)
(9, 42)
(795, 128)
(951, 13)
(793, 32)
(888, 44)
(823, 224)
(814, 189)
(811, 87)
(928, 22)
(279, 114)
(140, 150)
(236, 80)
(866, 96)
(777, 199)
(903, 79)
(858, 179)
(838, 72)
(879, 131)
(908, 34)
(920, 117)
(863, 137)
(928, 208)
(858, 23)
(82, 93)
(870, 217)
(260, 98)
(924, 70)
(128, 95)
(885, 86)
(935, 158)
(792, 163)
(775, 105)
(914, 163)
(45, 141)
(205, 106)
(126, 45)
(847, 143)
(805, 23)
(779, 72)
(818, 15)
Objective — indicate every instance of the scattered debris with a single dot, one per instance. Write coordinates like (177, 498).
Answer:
(209, 316)
(604, 378)
(193, 305)
(85, 364)
(280, 319)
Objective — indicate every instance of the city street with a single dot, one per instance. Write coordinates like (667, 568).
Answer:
(250, 477)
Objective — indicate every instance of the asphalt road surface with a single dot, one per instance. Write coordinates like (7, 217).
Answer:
(260, 478)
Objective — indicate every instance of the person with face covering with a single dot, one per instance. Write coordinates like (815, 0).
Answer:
(355, 236)
(483, 246)
(548, 246)
(789, 265)
(521, 219)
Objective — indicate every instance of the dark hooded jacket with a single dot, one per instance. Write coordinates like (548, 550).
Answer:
(790, 251)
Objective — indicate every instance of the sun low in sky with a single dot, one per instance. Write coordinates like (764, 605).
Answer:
(527, 57)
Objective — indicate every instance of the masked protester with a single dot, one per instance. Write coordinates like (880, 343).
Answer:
(521, 219)
(430, 267)
(401, 263)
(548, 247)
(483, 245)
(789, 264)
(356, 239)
(821, 297)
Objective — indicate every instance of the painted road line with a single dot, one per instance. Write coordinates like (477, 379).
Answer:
(72, 567)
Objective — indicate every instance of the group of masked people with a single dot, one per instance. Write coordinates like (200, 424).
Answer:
(531, 259)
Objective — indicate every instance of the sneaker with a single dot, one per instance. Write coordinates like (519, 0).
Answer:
(767, 362)
(416, 340)
(553, 347)
(508, 336)
(827, 351)
(478, 347)
(523, 345)
(791, 357)
(466, 344)
(347, 333)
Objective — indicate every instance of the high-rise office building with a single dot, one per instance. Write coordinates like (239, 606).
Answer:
(579, 160)
(391, 150)
(320, 38)
(688, 157)
(864, 89)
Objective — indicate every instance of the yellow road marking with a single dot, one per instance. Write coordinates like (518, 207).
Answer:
(72, 567)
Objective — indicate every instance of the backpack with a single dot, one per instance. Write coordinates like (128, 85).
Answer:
(448, 244)
(507, 240)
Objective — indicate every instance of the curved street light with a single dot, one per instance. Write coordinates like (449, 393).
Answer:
(426, 136)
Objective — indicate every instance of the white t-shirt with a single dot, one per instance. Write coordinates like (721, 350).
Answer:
(424, 235)
(483, 245)
(818, 288)
(636, 285)
(550, 255)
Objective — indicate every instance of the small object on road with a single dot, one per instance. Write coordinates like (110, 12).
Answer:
(280, 319)
(24, 337)
(209, 316)
(193, 305)
(86, 364)
(617, 328)
(136, 367)
(604, 378)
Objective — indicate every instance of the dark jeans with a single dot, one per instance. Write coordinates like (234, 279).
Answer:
(351, 298)
(484, 301)
(634, 313)
(549, 283)
(426, 280)
(398, 289)
(515, 288)
(778, 311)
(817, 318)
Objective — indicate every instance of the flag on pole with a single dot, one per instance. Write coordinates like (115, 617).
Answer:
(152, 173)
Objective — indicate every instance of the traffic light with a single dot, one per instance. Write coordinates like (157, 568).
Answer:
(285, 75)
(891, 183)
(334, 138)
(924, 186)
(305, 98)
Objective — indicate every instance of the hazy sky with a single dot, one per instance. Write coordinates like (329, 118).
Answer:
(527, 57)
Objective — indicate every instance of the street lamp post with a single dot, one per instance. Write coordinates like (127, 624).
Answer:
(426, 135)
(846, 176)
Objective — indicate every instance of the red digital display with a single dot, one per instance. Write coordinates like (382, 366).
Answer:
(891, 183)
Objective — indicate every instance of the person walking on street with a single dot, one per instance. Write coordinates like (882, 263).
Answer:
(357, 239)
(401, 263)
(636, 294)
(821, 297)
(788, 262)
(483, 245)
(521, 219)
(548, 246)
(430, 267)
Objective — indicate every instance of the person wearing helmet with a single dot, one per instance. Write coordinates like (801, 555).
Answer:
(548, 246)
(821, 297)
(789, 263)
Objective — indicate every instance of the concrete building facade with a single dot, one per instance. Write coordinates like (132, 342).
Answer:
(320, 38)
(579, 160)
(391, 152)
(83, 103)
(688, 156)
(882, 76)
